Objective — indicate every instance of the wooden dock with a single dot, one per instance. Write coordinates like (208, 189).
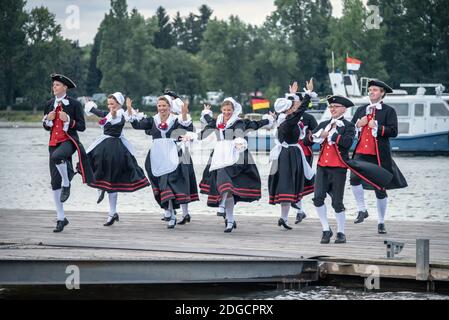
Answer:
(140, 249)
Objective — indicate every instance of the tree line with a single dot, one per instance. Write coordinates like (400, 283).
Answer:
(197, 53)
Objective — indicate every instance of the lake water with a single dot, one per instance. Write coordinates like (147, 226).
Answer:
(210, 292)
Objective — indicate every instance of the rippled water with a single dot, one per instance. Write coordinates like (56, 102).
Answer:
(210, 292)
(334, 293)
(25, 181)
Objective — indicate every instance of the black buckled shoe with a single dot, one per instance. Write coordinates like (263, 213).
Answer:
(300, 216)
(362, 215)
(326, 237)
(230, 227)
(65, 193)
(185, 219)
(281, 222)
(101, 196)
(60, 224)
(115, 217)
(381, 228)
(226, 223)
(221, 214)
(171, 223)
(167, 218)
(341, 238)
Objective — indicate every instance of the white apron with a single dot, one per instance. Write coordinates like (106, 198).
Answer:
(276, 151)
(163, 156)
(225, 155)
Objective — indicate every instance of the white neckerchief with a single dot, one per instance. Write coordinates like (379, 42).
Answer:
(63, 100)
(170, 122)
(338, 123)
(371, 106)
(317, 135)
(230, 122)
(117, 119)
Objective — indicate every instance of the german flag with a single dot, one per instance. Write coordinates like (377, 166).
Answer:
(260, 103)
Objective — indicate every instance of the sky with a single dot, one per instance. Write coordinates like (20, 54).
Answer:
(91, 12)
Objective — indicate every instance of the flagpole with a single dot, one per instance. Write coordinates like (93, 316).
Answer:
(347, 56)
(333, 63)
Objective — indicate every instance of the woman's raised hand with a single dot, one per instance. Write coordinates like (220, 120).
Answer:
(309, 84)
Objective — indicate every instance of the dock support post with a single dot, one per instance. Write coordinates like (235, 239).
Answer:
(422, 259)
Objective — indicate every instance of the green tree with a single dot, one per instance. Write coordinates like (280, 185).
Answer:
(94, 74)
(225, 52)
(305, 25)
(112, 55)
(181, 72)
(189, 31)
(163, 38)
(142, 67)
(179, 30)
(416, 41)
(46, 53)
(350, 36)
(274, 62)
(12, 47)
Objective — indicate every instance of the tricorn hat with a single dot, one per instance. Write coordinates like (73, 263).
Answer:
(340, 100)
(63, 79)
(381, 84)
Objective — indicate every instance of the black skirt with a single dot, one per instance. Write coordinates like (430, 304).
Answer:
(242, 180)
(286, 180)
(309, 185)
(179, 186)
(115, 168)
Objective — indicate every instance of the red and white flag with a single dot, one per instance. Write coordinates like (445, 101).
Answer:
(353, 63)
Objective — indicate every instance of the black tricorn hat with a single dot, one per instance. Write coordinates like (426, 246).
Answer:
(381, 84)
(63, 79)
(340, 100)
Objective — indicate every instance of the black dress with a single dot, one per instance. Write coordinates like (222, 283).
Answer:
(115, 168)
(241, 179)
(179, 185)
(286, 179)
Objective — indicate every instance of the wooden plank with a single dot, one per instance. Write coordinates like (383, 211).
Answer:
(255, 236)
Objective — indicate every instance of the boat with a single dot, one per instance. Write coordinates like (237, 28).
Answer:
(423, 120)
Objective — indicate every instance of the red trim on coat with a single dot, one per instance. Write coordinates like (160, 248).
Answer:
(338, 138)
(377, 146)
(79, 158)
(357, 173)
